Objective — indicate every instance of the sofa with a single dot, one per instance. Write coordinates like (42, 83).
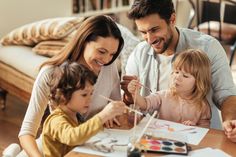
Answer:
(24, 49)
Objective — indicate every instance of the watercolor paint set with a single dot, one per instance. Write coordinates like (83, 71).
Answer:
(164, 146)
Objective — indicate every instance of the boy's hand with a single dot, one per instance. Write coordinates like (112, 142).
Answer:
(110, 123)
(112, 110)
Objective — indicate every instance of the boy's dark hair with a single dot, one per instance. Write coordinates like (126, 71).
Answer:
(143, 8)
(67, 78)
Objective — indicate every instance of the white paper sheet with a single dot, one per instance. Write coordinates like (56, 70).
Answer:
(109, 143)
(113, 142)
(171, 130)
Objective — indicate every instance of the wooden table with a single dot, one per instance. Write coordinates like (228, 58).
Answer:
(213, 139)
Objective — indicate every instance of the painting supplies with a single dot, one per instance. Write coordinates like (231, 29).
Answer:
(164, 146)
(145, 128)
(130, 109)
(146, 88)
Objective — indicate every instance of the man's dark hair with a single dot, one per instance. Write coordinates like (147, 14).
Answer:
(143, 8)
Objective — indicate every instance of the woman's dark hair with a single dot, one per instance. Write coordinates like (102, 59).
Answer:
(90, 29)
(143, 8)
(67, 78)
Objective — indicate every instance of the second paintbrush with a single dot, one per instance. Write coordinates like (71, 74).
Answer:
(130, 109)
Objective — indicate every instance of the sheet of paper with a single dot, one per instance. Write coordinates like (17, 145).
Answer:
(171, 130)
(110, 142)
(203, 152)
(113, 142)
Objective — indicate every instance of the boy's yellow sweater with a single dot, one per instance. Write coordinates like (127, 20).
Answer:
(61, 134)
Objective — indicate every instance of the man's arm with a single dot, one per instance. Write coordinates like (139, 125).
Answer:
(228, 109)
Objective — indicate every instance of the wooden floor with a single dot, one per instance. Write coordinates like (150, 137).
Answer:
(10, 121)
(12, 116)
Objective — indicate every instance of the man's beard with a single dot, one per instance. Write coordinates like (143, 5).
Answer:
(166, 44)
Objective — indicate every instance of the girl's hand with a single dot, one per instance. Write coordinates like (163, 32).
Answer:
(133, 86)
(125, 81)
(189, 122)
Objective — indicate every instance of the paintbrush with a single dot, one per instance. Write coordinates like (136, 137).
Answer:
(145, 128)
(130, 109)
(146, 87)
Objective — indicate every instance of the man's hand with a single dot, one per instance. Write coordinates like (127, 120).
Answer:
(228, 111)
(124, 86)
(230, 129)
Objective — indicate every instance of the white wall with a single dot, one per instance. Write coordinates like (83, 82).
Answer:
(15, 13)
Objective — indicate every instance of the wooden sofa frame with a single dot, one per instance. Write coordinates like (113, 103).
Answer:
(23, 88)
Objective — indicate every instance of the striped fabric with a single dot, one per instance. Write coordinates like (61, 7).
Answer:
(31, 34)
(50, 48)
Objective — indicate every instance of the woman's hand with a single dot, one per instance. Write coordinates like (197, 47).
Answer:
(230, 129)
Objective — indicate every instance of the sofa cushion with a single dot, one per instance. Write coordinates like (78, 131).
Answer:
(22, 58)
(49, 48)
(33, 33)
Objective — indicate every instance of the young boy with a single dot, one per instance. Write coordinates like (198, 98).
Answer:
(71, 89)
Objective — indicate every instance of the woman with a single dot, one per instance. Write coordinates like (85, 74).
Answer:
(96, 45)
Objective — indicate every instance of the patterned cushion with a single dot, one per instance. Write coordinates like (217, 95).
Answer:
(31, 34)
(50, 48)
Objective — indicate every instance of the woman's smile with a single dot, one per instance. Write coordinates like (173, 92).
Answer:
(98, 53)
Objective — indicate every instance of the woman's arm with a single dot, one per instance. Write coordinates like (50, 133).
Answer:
(29, 144)
(32, 120)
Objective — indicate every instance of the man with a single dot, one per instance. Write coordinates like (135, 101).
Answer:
(151, 59)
